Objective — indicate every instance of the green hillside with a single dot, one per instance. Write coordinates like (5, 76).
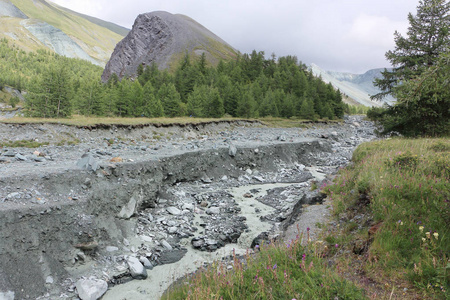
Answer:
(95, 37)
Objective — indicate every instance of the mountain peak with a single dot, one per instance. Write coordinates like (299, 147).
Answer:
(163, 38)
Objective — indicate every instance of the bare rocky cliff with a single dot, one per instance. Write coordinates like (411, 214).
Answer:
(164, 38)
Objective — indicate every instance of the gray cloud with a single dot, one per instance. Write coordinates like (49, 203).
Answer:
(341, 35)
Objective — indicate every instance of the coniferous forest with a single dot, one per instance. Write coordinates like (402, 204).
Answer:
(249, 87)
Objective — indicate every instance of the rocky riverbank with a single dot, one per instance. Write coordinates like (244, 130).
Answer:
(100, 209)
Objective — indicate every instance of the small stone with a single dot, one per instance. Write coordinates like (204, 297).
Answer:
(204, 204)
(206, 179)
(21, 157)
(91, 289)
(173, 211)
(166, 245)
(173, 229)
(249, 171)
(12, 196)
(259, 178)
(137, 270)
(146, 238)
(232, 151)
(188, 206)
(48, 280)
(112, 249)
(147, 264)
(116, 159)
(87, 246)
(213, 211)
(10, 153)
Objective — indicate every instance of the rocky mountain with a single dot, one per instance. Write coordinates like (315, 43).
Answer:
(164, 38)
(358, 87)
(38, 24)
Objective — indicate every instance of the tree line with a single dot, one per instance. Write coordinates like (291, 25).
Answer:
(250, 86)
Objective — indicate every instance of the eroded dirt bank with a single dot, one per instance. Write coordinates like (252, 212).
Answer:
(85, 210)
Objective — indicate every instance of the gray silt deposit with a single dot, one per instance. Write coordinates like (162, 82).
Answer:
(157, 196)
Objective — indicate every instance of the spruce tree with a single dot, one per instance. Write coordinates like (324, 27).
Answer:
(420, 71)
(427, 37)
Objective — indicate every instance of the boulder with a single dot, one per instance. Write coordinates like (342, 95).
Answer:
(232, 151)
(137, 270)
(91, 289)
(128, 210)
(88, 162)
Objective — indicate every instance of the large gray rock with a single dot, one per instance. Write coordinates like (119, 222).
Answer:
(232, 150)
(137, 270)
(88, 162)
(158, 37)
(91, 289)
(128, 210)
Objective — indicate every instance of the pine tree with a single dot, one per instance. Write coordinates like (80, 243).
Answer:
(428, 35)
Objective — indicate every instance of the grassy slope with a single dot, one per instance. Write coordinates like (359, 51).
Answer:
(22, 38)
(87, 34)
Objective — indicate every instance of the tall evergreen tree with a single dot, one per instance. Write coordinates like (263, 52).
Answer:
(170, 100)
(428, 35)
(420, 65)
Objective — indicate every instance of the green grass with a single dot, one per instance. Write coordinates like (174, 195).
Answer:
(407, 182)
(22, 144)
(91, 35)
(279, 271)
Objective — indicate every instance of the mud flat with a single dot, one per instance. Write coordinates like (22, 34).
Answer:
(173, 198)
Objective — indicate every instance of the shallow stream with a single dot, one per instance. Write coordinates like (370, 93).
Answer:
(162, 276)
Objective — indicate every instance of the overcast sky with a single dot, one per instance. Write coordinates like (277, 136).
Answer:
(338, 35)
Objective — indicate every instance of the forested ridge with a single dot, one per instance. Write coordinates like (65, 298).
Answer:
(250, 86)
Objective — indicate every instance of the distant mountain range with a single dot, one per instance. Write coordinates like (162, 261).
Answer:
(38, 24)
(158, 37)
(358, 87)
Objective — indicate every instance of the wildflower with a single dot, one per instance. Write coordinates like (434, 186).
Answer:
(428, 234)
(307, 228)
(337, 245)
(421, 228)
(424, 239)
(436, 235)
(274, 266)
